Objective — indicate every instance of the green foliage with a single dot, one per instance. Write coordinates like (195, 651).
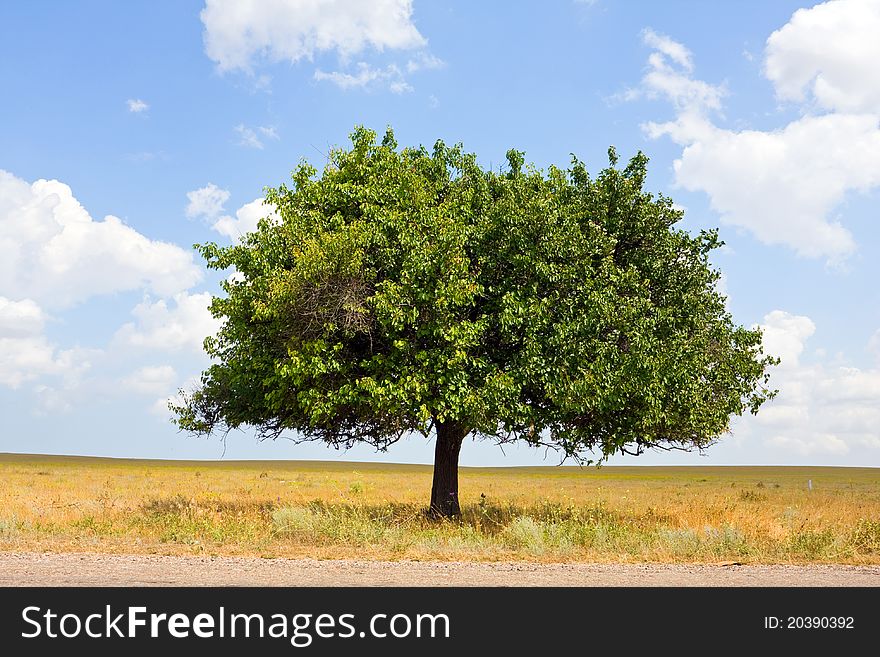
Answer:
(525, 533)
(866, 536)
(405, 288)
(8, 528)
(812, 544)
(179, 519)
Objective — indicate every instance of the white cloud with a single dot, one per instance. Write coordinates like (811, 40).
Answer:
(160, 406)
(136, 105)
(817, 444)
(53, 252)
(235, 277)
(829, 52)
(25, 359)
(206, 201)
(672, 49)
(424, 61)
(240, 32)
(160, 326)
(668, 76)
(400, 87)
(52, 401)
(390, 77)
(25, 352)
(245, 221)
(367, 76)
(151, 380)
(783, 185)
(721, 285)
(255, 137)
(20, 319)
(52, 255)
(780, 185)
(821, 408)
(785, 335)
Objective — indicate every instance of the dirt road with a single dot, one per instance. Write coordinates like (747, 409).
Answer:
(34, 569)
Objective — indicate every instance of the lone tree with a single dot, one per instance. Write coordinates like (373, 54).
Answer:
(411, 291)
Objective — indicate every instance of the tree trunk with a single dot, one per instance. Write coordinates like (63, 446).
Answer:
(444, 490)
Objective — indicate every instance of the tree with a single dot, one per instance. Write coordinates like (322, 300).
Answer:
(405, 291)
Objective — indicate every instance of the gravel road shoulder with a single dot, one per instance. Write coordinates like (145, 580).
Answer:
(49, 569)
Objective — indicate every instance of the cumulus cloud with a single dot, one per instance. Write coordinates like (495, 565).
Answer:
(780, 185)
(20, 319)
(24, 359)
(245, 221)
(822, 408)
(240, 34)
(206, 201)
(54, 253)
(785, 335)
(26, 354)
(170, 327)
(137, 106)
(828, 53)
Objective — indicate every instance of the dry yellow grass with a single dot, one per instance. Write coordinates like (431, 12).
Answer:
(336, 509)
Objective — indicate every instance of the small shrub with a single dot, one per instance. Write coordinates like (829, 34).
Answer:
(331, 525)
(8, 528)
(811, 544)
(611, 537)
(525, 533)
(170, 505)
(189, 521)
(866, 536)
(726, 535)
(679, 541)
(564, 536)
(296, 521)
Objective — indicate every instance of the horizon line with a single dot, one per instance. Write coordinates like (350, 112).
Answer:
(221, 461)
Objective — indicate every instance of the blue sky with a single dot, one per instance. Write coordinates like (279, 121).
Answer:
(131, 130)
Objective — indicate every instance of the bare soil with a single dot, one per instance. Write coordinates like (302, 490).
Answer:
(50, 569)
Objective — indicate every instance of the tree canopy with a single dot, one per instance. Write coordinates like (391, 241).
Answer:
(412, 291)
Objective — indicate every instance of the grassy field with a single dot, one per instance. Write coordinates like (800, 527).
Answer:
(337, 510)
